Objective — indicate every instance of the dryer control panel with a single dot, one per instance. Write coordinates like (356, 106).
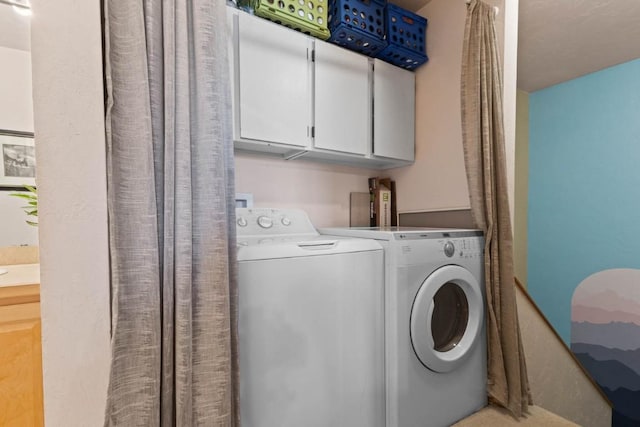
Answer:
(272, 222)
(449, 250)
(463, 248)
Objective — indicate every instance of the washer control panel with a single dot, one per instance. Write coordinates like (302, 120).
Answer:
(265, 221)
(270, 222)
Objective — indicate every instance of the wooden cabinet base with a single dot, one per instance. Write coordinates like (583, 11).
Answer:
(20, 366)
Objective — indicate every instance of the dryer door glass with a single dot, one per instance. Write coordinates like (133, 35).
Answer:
(450, 317)
(446, 318)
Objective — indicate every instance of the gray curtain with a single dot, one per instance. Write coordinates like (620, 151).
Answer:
(484, 152)
(171, 215)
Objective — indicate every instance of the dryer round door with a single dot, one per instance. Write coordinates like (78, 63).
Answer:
(446, 318)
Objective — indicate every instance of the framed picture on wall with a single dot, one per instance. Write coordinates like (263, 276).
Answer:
(17, 159)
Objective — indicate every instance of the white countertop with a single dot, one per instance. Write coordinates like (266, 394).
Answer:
(20, 274)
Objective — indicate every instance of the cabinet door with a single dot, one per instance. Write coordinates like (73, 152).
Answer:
(20, 366)
(342, 106)
(274, 82)
(393, 111)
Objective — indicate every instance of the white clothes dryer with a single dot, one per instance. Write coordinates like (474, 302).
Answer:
(435, 345)
(310, 324)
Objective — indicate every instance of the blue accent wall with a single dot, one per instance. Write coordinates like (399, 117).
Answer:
(584, 185)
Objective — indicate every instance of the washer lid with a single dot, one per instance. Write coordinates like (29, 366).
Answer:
(446, 318)
(254, 249)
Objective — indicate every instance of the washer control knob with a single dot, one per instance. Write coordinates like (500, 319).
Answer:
(242, 222)
(449, 249)
(286, 221)
(265, 222)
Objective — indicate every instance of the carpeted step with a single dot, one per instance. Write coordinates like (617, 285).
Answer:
(493, 416)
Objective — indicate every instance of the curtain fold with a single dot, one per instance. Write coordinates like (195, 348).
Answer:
(485, 160)
(171, 215)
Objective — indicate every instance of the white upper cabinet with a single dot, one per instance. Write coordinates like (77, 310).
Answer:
(342, 107)
(300, 97)
(274, 82)
(394, 95)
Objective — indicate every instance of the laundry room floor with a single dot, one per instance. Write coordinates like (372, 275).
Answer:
(492, 416)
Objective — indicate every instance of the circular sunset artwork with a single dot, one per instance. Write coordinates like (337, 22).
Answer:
(605, 337)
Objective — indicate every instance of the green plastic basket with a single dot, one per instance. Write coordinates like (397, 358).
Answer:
(306, 16)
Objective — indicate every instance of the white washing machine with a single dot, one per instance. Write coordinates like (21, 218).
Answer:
(311, 326)
(435, 352)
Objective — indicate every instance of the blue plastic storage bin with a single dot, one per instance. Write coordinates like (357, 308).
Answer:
(358, 25)
(407, 38)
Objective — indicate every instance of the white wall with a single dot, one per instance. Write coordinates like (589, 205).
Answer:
(521, 188)
(14, 230)
(557, 382)
(320, 189)
(437, 180)
(16, 105)
(16, 113)
(509, 34)
(69, 124)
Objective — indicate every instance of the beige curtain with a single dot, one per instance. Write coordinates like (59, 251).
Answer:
(171, 215)
(484, 152)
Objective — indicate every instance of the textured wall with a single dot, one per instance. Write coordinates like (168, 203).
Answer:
(557, 382)
(16, 113)
(584, 152)
(14, 231)
(320, 189)
(16, 105)
(521, 187)
(584, 250)
(437, 180)
(562, 40)
(69, 123)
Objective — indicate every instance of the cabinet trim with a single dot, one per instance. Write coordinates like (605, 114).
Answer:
(18, 313)
(22, 294)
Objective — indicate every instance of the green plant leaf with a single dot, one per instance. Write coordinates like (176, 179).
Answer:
(23, 196)
(31, 198)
